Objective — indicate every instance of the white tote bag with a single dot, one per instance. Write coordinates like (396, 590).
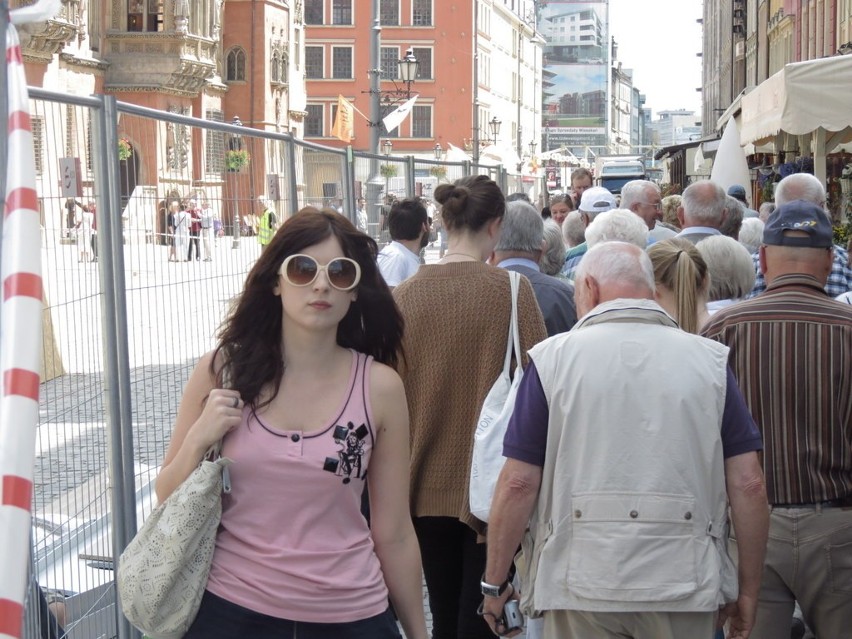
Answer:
(487, 461)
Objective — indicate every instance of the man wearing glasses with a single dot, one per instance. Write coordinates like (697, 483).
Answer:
(645, 200)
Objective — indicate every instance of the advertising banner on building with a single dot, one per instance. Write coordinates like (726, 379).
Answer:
(576, 74)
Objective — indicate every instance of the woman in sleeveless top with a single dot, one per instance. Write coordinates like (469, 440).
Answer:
(313, 412)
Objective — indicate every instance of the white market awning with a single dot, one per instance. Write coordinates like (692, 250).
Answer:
(801, 99)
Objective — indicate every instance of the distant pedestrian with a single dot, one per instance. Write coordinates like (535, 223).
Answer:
(702, 210)
(207, 230)
(171, 228)
(85, 220)
(267, 224)
(520, 249)
(182, 223)
(409, 231)
(194, 230)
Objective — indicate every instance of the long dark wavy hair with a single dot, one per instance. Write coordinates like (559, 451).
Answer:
(250, 346)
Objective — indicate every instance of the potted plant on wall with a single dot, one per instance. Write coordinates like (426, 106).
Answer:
(236, 160)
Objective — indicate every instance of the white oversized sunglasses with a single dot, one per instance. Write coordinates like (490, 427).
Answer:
(342, 273)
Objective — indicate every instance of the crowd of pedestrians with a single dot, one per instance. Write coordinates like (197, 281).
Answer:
(679, 456)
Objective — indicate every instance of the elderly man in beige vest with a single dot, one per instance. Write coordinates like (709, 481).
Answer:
(621, 485)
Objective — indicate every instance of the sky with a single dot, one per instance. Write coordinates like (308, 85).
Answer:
(658, 39)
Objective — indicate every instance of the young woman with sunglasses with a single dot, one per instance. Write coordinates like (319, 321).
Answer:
(456, 321)
(302, 386)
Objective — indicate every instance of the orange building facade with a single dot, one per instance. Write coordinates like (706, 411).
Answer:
(442, 37)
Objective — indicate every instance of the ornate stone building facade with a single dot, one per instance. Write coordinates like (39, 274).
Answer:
(212, 59)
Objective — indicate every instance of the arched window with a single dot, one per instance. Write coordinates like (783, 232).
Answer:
(235, 70)
(274, 71)
(284, 67)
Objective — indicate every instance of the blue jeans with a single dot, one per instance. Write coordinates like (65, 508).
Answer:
(221, 619)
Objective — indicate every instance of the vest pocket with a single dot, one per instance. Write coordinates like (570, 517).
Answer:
(632, 547)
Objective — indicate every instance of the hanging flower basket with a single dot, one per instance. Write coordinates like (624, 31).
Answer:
(388, 170)
(124, 149)
(236, 160)
(439, 172)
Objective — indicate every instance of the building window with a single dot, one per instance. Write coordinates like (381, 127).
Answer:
(389, 63)
(273, 67)
(341, 63)
(37, 126)
(389, 12)
(145, 15)
(214, 150)
(341, 12)
(235, 68)
(313, 121)
(313, 11)
(297, 48)
(424, 58)
(278, 65)
(313, 63)
(421, 13)
(421, 121)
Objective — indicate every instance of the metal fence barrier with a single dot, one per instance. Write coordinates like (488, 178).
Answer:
(131, 304)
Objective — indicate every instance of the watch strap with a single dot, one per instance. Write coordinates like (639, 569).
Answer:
(490, 590)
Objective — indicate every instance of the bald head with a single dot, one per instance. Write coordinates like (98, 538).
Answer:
(702, 204)
(610, 271)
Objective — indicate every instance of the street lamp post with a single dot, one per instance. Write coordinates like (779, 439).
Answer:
(387, 147)
(236, 144)
(439, 152)
(494, 126)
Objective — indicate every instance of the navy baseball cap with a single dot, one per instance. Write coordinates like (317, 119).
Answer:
(798, 215)
(737, 191)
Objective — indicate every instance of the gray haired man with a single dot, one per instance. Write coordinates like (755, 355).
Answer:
(519, 249)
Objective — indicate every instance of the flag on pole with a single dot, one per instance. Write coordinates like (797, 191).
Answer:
(20, 319)
(344, 120)
(395, 117)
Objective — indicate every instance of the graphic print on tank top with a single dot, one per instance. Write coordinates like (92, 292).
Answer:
(350, 456)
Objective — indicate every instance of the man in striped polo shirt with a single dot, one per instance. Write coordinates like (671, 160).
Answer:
(791, 351)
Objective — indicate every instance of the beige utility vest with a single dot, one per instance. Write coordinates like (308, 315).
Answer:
(632, 512)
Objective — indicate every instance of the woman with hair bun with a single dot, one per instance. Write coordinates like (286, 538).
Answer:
(683, 282)
(457, 316)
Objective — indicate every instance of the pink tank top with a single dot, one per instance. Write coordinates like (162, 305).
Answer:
(293, 543)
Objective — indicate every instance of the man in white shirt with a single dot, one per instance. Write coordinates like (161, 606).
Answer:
(408, 224)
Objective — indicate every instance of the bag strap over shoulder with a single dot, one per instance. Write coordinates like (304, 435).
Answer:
(514, 334)
(215, 451)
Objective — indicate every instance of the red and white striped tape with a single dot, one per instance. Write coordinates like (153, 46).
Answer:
(20, 345)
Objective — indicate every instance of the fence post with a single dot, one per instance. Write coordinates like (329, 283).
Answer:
(4, 112)
(117, 393)
(409, 176)
(466, 167)
(293, 175)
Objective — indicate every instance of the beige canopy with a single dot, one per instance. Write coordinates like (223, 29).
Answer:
(810, 100)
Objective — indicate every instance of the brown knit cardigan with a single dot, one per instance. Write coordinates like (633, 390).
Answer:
(456, 325)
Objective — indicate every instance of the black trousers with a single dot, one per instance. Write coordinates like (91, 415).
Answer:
(453, 564)
(193, 240)
(221, 619)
